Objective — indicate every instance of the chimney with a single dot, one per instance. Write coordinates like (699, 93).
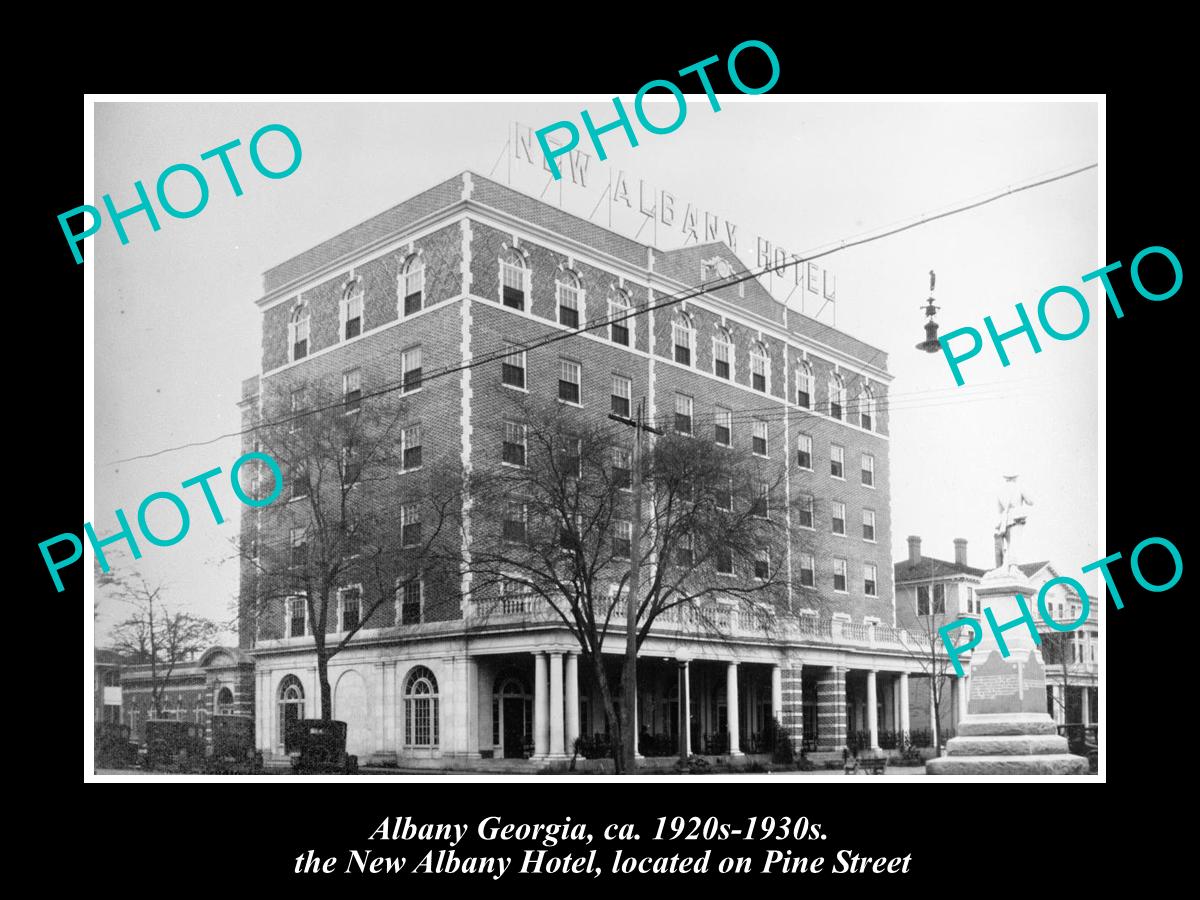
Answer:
(999, 539)
(914, 549)
(960, 551)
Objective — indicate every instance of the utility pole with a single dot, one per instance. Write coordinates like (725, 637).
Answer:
(629, 672)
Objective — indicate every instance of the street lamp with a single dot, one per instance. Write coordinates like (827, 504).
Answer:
(931, 343)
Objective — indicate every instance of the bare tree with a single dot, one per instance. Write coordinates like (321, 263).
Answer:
(356, 524)
(1058, 649)
(924, 645)
(556, 524)
(154, 634)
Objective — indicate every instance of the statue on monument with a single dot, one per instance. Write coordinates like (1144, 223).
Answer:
(1012, 503)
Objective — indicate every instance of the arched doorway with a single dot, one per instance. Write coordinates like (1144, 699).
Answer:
(291, 707)
(512, 715)
(224, 702)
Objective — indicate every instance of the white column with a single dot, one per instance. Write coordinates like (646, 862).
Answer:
(1055, 704)
(687, 705)
(1086, 704)
(380, 707)
(955, 702)
(731, 707)
(777, 692)
(470, 745)
(637, 751)
(316, 698)
(904, 722)
(389, 706)
(262, 702)
(556, 704)
(872, 710)
(572, 692)
(541, 706)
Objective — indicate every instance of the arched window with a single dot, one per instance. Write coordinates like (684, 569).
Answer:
(420, 709)
(804, 385)
(760, 367)
(569, 296)
(837, 395)
(684, 336)
(298, 333)
(291, 707)
(618, 305)
(351, 309)
(723, 353)
(224, 702)
(412, 284)
(866, 408)
(512, 279)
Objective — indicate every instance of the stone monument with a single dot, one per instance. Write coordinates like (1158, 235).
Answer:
(1007, 730)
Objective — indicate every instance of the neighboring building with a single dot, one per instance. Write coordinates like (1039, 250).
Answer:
(929, 593)
(220, 682)
(466, 270)
(107, 686)
(1072, 657)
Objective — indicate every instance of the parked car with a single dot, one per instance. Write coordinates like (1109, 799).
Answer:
(316, 745)
(114, 748)
(233, 748)
(172, 744)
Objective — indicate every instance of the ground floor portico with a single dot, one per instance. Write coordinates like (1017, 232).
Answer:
(455, 701)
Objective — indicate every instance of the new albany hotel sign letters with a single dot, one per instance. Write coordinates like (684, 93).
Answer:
(646, 212)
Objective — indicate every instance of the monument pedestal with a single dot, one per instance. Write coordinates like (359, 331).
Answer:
(1007, 730)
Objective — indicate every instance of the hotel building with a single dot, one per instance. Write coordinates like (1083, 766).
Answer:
(446, 675)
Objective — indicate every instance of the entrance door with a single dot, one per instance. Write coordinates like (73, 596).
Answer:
(514, 727)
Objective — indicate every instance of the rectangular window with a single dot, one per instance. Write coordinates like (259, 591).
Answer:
(299, 542)
(410, 602)
(837, 459)
(721, 358)
(808, 570)
(297, 617)
(568, 305)
(839, 517)
(868, 470)
(684, 554)
(762, 500)
(870, 574)
(683, 413)
(922, 600)
(410, 448)
(410, 365)
(513, 527)
(300, 339)
(622, 391)
(759, 442)
(514, 444)
(351, 464)
(724, 560)
(410, 525)
(839, 575)
(622, 538)
(300, 481)
(571, 457)
(512, 367)
(568, 381)
(762, 565)
(971, 600)
(804, 451)
(414, 286)
(758, 372)
(354, 311)
(622, 468)
(513, 278)
(804, 510)
(723, 499)
(349, 607)
(296, 409)
(939, 599)
(619, 331)
(803, 389)
(683, 343)
(723, 433)
(352, 390)
(868, 524)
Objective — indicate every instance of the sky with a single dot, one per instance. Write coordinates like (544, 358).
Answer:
(176, 328)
